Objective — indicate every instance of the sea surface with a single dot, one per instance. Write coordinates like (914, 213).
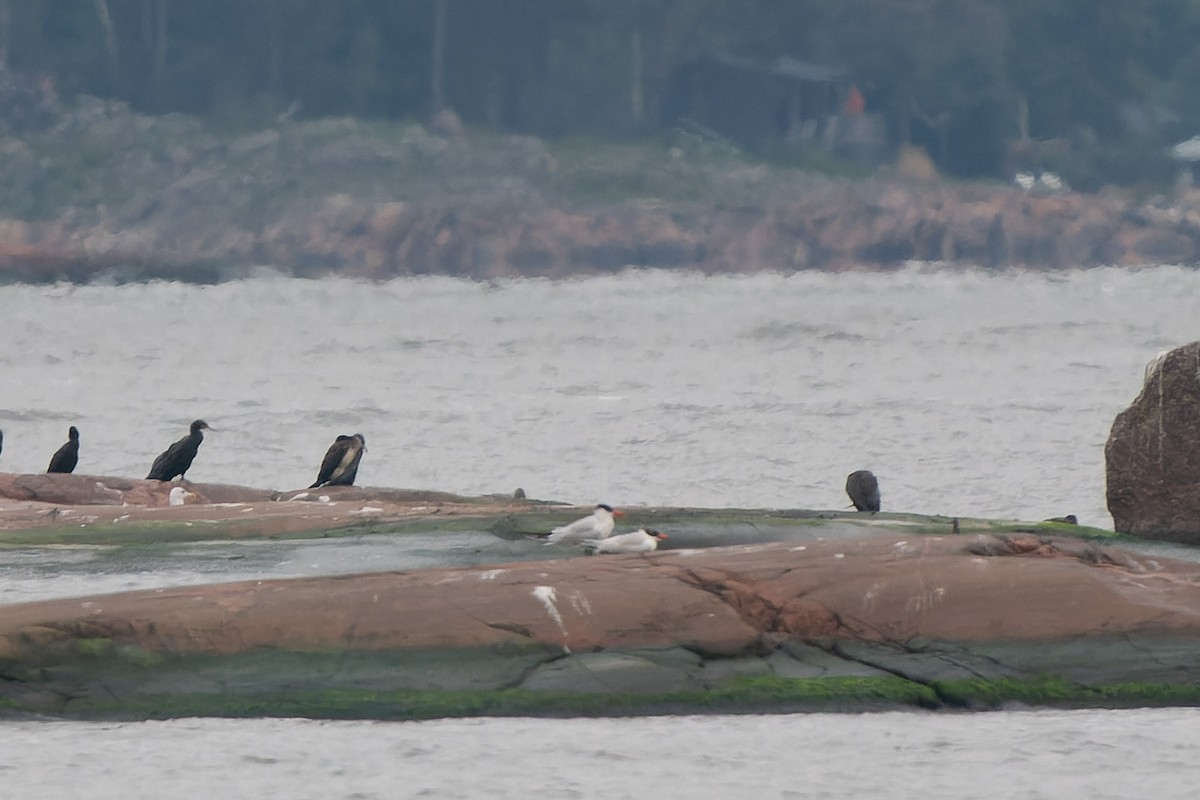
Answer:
(1043, 755)
(967, 393)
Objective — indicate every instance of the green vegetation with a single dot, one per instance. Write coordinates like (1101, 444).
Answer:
(593, 170)
(142, 534)
(1053, 691)
(1077, 531)
(741, 695)
(127, 654)
(1093, 89)
(132, 534)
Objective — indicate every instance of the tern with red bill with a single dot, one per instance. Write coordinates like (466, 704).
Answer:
(643, 540)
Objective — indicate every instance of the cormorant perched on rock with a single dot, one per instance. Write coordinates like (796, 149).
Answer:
(863, 489)
(340, 465)
(177, 458)
(1, 441)
(67, 456)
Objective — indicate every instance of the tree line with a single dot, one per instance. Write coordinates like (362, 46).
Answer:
(1110, 83)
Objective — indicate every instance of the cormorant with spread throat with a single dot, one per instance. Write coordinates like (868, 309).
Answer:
(67, 456)
(340, 465)
(177, 458)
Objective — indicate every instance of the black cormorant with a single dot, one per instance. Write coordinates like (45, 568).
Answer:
(340, 465)
(177, 458)
(863, 489)
(1, 441)
(67, 456)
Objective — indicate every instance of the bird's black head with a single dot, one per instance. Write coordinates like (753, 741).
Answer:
(606, 507)
(73, 433)
(200, 425)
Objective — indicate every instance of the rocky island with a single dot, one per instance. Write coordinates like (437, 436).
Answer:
(749, 610)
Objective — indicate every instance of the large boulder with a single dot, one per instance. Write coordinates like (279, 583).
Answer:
(1153, 453)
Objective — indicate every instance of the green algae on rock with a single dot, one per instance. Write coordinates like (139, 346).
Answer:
(848, 621)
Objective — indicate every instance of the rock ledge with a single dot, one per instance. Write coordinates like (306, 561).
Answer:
(882, 621)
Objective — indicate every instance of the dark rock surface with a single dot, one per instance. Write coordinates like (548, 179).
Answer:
(88, 490)
(1153, 453)
(42, 506)
(85, 509)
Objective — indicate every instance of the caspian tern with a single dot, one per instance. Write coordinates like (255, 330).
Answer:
(597, 525)
(642, 540)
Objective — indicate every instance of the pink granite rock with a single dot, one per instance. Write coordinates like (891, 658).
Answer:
(719, 602)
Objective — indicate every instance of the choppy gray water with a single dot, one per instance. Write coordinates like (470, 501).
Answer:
(966, 393)
(1089, 755)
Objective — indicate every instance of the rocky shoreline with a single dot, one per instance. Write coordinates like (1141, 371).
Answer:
(100, 193)
(752, 610)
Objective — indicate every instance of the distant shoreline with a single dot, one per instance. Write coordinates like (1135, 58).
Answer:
(105, 194)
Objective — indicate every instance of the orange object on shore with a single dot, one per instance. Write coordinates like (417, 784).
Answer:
(855, 103)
